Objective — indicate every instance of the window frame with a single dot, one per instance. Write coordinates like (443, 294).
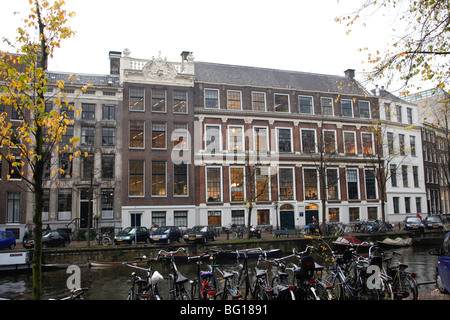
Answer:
(291, 145)
(311, 98)
(209, 99)
(275, 96)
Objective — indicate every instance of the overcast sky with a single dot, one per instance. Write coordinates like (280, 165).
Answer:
(299, 35)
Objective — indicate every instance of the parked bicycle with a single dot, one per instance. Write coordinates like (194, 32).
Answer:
(144, 289)
(205, 286)
(177, 281)
(75, 294)
(281, 288)
(404, 284)
(102, 239)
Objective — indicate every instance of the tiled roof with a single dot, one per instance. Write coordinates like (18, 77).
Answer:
(262, 77)
(82, 79)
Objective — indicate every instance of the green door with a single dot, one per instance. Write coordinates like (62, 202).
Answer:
(287, 220)
(309, 216)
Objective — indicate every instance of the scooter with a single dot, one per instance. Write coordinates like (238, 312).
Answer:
(255, 232)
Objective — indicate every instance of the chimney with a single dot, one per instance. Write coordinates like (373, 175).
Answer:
(350, 73)
(185, 56)
(114, 62)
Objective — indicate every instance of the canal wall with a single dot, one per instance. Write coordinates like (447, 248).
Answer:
(81, 256)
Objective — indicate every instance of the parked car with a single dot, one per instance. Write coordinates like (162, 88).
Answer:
(414, 223)
(433, 222)
(165, 234)
(129, 235)
(7, 240)
(55, 238)
(200, 234)
(443, 265)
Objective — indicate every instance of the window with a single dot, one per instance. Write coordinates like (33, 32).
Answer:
(329, 141)
(372, 213)
(108, 164)
(306, 104)
(158, 178)
(310, 180)
(46, 205)
(262, 176)
(213, 138)
(107, 203)
(237, 184)
(64, 204)
(235, 138)
(409, 115)
(180, 101)
(258, 101)
(333, 214)
(308, 140)
(137, 97)
(136, 178)
(412, 145)
(180, 219)
(352, 184)
(137, 131)
(393, 175)
(211, 99)
(396, 202)
(390, 138)
(234, 100)
(284, 139)
(367, 142)
(65, 165)
(418, 204)
(327, 106)
(286, 183)
(347, 108)
(159, 218)
(13, 207)
(407, 204)
(416, 176)
(349, 142)
(401, 142)
(238, 217)
(364, 109)
(353, 214)
(108, 136)
(158, 100)
(213, 184)
(405, 175)
(263, 216)
(180, 136)
(332, 184)
(261, 137)
(399, 113)
(87, 166)
(281, 102)
(214, 218)
(371, 187)
(88, 111)
(67, 136)
(15, 168)
(387, 111)
(158, 135)
(87, 135)
(108, 112)
(67, 110)
(180, 179)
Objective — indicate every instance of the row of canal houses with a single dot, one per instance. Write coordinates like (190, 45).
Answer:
(193, 143)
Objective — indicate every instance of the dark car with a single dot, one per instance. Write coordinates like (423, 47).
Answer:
(433, 222)
(414, 223)
(165, 234)
(200, 234)
(56, 238)
(7, 240)
(129, 235)
(443, 265)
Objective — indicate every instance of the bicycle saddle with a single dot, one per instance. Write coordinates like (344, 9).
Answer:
(227, 275)
(260, 273)
(181, 278)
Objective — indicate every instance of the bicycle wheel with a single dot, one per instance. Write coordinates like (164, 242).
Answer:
(106, 241)
(336, 290)
(406, 288)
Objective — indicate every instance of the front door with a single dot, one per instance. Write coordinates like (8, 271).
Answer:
(84, 213)
(309, 214)
(287, 220)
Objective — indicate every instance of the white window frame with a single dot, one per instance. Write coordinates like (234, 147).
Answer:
(351, 102)
(358, 188)
(315, 138)
(218, 98)
(240, 99)
(243, 182)
(267, 140)
(229, 128)
(312, 104)
(221, 183)
(289, 102)
(265, 100)
(335, 140)
(332, 107)
(293, 182)
(220, 135)
(292, 144)
(354, 140)
(362, 142)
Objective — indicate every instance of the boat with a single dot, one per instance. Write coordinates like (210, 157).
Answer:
(346, 242)
(109, 264)
(251, 253)
(185, 258)
(15, 261)
(397, 242)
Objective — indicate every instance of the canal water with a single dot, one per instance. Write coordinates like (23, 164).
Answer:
(113, 283)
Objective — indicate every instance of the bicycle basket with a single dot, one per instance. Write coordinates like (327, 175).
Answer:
(307, 268)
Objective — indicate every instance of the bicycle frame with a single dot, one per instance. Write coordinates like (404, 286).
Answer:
(177, 291)
(147, 289)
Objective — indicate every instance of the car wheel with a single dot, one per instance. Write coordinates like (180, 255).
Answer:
(12, 246)
(168, 240)
(147, 240)
(439, 283)
(66, 244)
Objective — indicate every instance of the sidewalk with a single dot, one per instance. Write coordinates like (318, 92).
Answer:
(434, 295)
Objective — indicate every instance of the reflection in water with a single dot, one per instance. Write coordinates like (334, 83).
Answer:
(114, 283)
